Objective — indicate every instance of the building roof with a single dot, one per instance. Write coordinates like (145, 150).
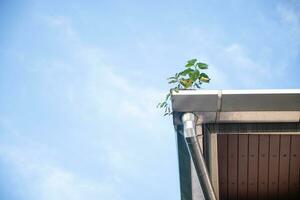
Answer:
(233, 125)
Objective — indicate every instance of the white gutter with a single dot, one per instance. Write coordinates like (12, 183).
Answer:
(212, 106)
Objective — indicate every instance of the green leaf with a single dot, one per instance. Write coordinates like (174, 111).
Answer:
(190, 83)
(163, 104)
(158, 105)
(204, 75)
(197, 73)
(204, 78)
(183, 82)
(168, 96)
(202, 65)
(194, 75)
(189, 65)
(191, 62)
(173, 81)
(189, 77)
(186, 83)
(186, 71)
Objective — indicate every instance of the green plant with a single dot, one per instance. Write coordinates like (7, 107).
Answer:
(190, 78)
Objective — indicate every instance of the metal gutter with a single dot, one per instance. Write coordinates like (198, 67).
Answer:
(236, 100)
(197, 156)
(239, 105)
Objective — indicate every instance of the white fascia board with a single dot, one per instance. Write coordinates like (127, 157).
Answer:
(236, 100)
(258, 91)
(263, 91)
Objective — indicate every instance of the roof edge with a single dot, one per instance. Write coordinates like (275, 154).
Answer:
(236, 100)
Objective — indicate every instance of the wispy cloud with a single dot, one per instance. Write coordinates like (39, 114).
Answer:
(230, 63)
(86, 87)
(247, 71)
(122, 96)
(49, 181)
(290, 15)
(63, 23)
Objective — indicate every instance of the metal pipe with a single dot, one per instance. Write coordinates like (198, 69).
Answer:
(197, 156)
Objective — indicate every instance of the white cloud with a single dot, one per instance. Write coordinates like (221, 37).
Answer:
(236, 65)
(232, 65)
(101, 88)
(48, 181)
(251, 71)
(61, 22)
(237, 54)
(85, 86)
(289, 15)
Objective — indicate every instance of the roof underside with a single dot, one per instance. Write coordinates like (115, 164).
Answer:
(258, 140)
(256, 165)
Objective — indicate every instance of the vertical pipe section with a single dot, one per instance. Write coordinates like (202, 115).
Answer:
(197, 156)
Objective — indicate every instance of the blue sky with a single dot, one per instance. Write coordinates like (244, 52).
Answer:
(79, 82)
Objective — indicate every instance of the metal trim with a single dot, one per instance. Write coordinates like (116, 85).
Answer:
(250, 116)
(236, 100)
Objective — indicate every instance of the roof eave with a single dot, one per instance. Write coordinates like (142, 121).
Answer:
(240, 105)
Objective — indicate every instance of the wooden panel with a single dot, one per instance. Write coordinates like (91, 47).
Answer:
(214, 164)
(211, 152)
(232, 166)
(263, 166)
(222, 154)
(294, 185)
(253, 166)
(242, 166)
(273, 166)
(284, 166)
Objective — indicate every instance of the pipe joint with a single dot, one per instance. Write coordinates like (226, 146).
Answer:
(188, 120)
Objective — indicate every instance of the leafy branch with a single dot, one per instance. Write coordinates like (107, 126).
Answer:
(191, 77)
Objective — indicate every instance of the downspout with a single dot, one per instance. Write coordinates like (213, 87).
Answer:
(197, 156)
